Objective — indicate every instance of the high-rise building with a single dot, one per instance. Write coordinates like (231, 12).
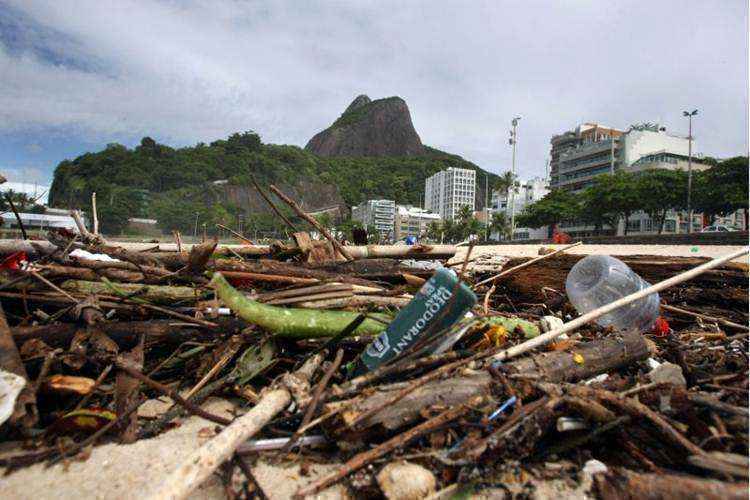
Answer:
(579, 155)
(377, 213)
(588, 151)
(448, 190)
(412, 221)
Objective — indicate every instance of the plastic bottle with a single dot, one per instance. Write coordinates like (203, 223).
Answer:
(597, 280)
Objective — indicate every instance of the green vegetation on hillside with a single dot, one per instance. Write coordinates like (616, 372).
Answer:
(172, 185)
(353, 116)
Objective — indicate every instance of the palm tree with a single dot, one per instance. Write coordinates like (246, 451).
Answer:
(499, 224)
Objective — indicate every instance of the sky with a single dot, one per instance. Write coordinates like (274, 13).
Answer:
(76, 75)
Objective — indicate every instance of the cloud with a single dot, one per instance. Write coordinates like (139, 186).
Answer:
(29, 174)
(184, 72)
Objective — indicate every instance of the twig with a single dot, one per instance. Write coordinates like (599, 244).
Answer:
(362, 459)
(97, 383)
(53, 286)
(249, 475)
(221, 226)
(18, 217)
(196, 410)
(721, 321)
(600, 311)
(311, 220)
(525, 264)
(313, 406)
(272, 204)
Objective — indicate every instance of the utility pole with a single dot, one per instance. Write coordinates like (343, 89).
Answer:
(486, 207)
(690, 116)
(513, 140)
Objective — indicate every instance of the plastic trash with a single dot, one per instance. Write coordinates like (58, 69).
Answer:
(597, 280)
(432, 310)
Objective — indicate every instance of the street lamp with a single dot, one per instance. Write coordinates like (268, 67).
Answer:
(690, 115)
(512, 141)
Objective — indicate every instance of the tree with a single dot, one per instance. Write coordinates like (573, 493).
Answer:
(722, 189)
(609, 199)
(557, 206)
(500, 224)
(659, 191)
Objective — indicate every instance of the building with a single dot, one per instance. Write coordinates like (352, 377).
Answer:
(526, 193)
(448, 190)
(412, 221)
(590, 150)
(38, 221)
(579, 155)
(378, 213)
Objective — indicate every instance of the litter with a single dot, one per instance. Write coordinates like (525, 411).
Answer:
(525, 384)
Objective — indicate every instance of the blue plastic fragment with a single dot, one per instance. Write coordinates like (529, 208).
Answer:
(510, 402)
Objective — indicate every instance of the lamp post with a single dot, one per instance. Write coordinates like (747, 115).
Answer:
(690, 115)
(512, 141)
(486, 207)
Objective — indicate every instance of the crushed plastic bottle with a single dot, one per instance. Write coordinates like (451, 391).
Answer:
(597, 280)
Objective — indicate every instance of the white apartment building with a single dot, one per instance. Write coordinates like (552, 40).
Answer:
(527, 193)
(448, 190)
(412, 221)
(588, 151)
(378, 213)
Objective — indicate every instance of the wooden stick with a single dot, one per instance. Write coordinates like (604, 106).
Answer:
(525, 264)
(18, 217)
(311, 220)
(629, 299)
(273, 205)
(235, 233)
(721, 321)
(269, 278)
(94, 215)
(362, 459)
(197, 467)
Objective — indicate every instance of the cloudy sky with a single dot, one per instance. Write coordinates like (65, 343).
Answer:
(76, 75)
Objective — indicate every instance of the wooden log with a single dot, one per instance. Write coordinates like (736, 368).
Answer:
(269, 278)
(620, 484)
(125, 332)
(598, 356)
(155, 293)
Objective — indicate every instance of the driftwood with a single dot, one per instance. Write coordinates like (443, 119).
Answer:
(598, 356)
(203, 462)
(624, 484)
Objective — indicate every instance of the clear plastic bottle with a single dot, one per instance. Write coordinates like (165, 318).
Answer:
(597, 280)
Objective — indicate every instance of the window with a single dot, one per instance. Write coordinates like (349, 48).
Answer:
(634, 225)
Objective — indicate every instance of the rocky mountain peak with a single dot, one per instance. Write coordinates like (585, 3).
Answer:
(382, 127)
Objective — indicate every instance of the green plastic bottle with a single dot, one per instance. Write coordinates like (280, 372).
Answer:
(432, 310)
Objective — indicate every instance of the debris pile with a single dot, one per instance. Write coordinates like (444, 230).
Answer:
(104, 344)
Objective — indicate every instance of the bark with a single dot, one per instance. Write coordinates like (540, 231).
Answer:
(151, 293)
(624, 484)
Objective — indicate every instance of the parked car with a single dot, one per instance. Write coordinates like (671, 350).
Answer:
(718, 228)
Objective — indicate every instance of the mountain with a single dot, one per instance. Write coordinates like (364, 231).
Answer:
(370, 128)
(211, 183)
